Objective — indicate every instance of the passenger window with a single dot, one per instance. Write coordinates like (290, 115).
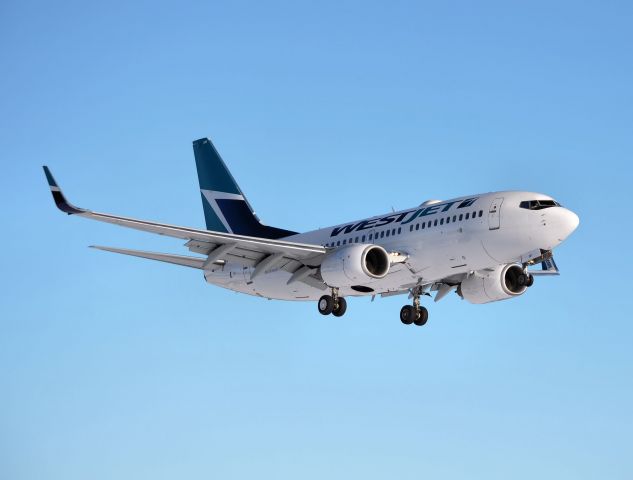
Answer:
(448, 220)
(417, 226)
(344, 242)
(411, 228)
(454, 218)
(363, 239)
(370, 235)
(467, 216)
(387, 232)
(481, 212)
(474, 214)
(422, 225)
(428, 225)
(382, 234)
(442, 221)
(399, 230)
(435, 223)
(461, 217)
(356, 240)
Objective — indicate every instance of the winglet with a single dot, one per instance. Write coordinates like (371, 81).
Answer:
(58, 196)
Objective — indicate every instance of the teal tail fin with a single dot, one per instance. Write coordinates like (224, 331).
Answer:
(225, 207)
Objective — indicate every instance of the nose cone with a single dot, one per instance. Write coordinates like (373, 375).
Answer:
(566, 222)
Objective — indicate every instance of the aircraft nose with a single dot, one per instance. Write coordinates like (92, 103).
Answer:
(567, 223)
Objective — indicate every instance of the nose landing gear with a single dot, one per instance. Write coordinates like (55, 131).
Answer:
(333, 304)
(415, 313)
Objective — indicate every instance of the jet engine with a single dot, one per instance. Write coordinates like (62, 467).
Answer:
(505, 281)
(355, 265)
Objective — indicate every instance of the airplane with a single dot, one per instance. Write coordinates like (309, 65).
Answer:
(481, 246)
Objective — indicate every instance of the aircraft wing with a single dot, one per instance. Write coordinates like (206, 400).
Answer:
(548, 267)
(261, 253)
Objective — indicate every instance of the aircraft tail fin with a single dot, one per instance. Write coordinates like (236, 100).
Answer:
(225, 207)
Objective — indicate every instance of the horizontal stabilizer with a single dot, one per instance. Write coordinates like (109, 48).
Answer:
(185, 261)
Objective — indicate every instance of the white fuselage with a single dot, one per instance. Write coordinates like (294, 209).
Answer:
(435, 241)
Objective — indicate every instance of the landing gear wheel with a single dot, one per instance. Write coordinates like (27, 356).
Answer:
(422, 317)
(530, 281)
(407, 314)
(415, 313)
(341, 308)
(326, 305)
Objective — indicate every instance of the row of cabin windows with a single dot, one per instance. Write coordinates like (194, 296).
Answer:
(363, 238)
(454, 219)
(398, 231)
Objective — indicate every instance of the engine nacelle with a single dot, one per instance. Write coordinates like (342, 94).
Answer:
(355, 265)
(500, 284)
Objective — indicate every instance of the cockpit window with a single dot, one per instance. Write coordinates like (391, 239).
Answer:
(538, 204)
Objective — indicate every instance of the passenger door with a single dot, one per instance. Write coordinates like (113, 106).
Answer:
(494, 214)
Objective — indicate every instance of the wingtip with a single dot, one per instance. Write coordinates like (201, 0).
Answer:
(58, 197)
(49, 177)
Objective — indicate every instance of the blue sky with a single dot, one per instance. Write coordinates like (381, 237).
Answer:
(114, 367)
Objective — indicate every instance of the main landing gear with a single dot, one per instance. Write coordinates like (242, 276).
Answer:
(415, 313)
(333, 304)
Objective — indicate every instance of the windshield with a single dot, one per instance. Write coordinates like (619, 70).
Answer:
(538, 204)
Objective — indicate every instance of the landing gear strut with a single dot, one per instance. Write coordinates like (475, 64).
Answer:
(333, 304)
(415, 313)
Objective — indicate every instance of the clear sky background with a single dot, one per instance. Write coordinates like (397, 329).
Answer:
(326, 112)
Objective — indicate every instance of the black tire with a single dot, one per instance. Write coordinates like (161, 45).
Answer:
(407, 314)
(342, 308)
(530, 281)
(423, 316)
(325, 305)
